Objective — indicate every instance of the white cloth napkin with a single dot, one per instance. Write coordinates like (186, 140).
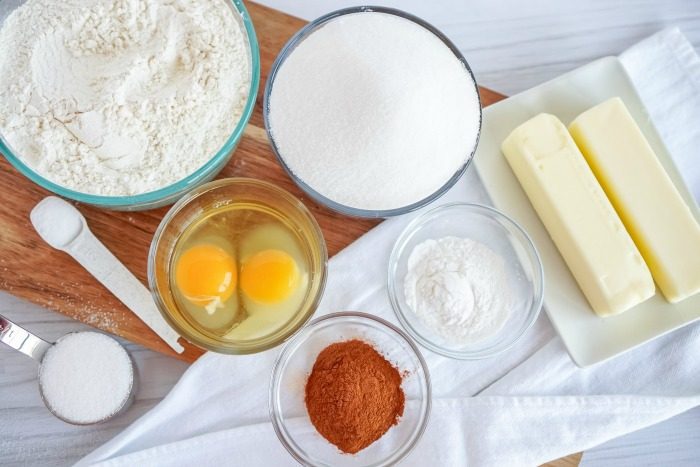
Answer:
(526, 407)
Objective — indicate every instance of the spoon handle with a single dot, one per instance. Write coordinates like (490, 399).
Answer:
(106, 268)
(22, 340)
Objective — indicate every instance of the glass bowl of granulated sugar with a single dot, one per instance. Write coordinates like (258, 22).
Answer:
(372, 111)
(131, 118)
(465, 281)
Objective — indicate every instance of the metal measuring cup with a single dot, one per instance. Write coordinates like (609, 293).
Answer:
(35, 347)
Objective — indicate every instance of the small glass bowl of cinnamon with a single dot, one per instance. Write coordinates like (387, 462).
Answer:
(289, 407)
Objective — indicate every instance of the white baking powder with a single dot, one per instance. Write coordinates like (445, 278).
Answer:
(86, 377)
(121, 97)
(374, 111)
(458, 288)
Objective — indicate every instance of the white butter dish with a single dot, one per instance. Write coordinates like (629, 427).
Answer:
(588, 338)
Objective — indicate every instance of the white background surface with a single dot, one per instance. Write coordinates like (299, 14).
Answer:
(511, 46)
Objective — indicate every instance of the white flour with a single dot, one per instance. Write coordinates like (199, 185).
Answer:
(86, 377)
(373, 111)
(458, 288)
(121, 97)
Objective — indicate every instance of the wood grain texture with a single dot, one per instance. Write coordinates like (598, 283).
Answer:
(33, 270)
(675, 442)
(569, 461)
(513, 45)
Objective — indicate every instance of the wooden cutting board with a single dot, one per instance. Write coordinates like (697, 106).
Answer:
(29, 268)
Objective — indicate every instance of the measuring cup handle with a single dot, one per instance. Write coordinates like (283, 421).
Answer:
(22, 340)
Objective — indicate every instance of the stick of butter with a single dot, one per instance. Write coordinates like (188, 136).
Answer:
(580, 219)
(661, 224)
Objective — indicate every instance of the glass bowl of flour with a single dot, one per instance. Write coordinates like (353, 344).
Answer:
(465, 281)
(124, 105)
(372, 111)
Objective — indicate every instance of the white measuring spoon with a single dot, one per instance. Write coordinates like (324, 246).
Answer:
(63, 227)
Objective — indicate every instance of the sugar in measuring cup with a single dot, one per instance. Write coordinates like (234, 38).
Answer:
(84, 377)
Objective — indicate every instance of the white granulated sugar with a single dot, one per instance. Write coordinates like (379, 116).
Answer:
(121, 97)
(56, 221)
(86, 377)
(458, 288)
(373, 111)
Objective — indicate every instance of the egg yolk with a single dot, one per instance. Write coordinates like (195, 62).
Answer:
(206, 274)
(269, 276)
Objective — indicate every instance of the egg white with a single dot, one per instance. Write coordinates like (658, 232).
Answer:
(265, 318)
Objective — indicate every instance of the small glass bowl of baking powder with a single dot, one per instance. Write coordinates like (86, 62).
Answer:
(475, 277)
(288, 411)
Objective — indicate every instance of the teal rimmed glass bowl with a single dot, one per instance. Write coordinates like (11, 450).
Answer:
(170, 193)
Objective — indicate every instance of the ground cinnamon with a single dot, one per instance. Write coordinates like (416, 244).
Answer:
(353, 395)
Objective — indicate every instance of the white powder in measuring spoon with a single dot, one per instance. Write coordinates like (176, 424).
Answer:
(86, 377)
(458, 288)
(374, 111)
(121, 97)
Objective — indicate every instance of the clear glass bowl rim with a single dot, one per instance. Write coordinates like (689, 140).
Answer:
(311, 192)
(123, 407)
(525, 241)
(182, 185)
(189, 196)
(281, 362)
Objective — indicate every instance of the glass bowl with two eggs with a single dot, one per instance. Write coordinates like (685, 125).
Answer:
(237, 266)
